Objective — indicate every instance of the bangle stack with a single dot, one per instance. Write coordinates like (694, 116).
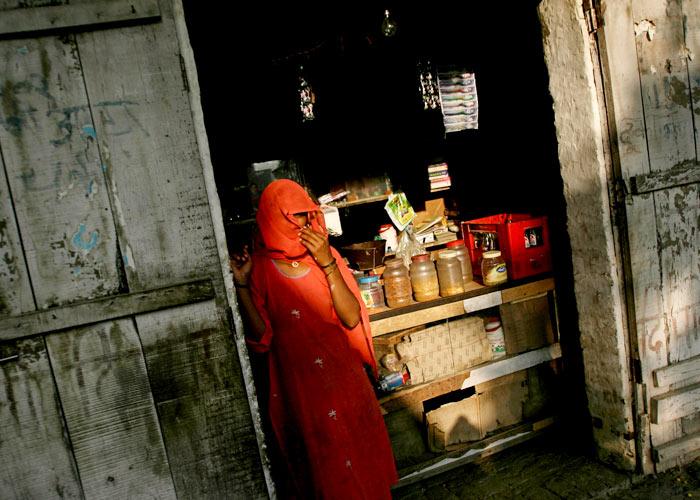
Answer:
(332, 264)
(329, 264)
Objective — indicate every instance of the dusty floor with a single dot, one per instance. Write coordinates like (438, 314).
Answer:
(541, 470)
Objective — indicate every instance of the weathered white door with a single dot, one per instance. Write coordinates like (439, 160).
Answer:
(119, 368)
(651, 61)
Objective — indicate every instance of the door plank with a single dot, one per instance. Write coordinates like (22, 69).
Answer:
(35, 460)
(94, 311)
(691, 13)
(150, 153)
(685, 449)
(678, 214)
(15, 290)
(54, 172)
(665, 85)
(157, 187)
(192, 366)
(77, 15)
(629, 147)
(111, 417)
(675, 404)
(649, 303)
(622, 73)
(683, 173)
(677, 372)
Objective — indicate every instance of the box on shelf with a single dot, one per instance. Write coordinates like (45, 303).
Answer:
(496, 404)
(522, 239)
(527, 324)
(444, 349)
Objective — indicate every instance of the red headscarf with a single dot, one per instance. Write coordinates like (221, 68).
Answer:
(278, 229)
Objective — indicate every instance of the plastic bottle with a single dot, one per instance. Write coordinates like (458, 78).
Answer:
(424, 278)
(493, 268)
(449, 273)
(494, 333)
(371, 291)
(397, 284)
(464, 260)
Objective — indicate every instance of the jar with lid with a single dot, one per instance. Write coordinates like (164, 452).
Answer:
(493, 268)
(464, 260)
(397, 284)
(449, 273)
(424, 278)
(371, 291)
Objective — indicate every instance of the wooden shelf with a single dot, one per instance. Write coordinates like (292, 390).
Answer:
(474, 451)
(363, 201)
(386, 320)
(479, 374)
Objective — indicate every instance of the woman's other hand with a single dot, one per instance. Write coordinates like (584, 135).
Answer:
(241, 266)
(317, 245)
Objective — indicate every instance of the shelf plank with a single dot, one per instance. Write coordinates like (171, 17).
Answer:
(415, 318)
(511, 364)
(528, 290)
(362, 201)
(476, 298)
(408, 397)
(475, 451)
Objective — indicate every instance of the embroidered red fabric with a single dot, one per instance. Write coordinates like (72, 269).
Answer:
(322, 407)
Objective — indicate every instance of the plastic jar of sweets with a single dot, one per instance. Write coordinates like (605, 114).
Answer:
(449, 273)
(464, 260)
(493, 268)
(397, 284)
(424, 279)
(371, 291)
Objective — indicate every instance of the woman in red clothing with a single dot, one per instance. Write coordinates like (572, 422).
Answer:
(303, 308)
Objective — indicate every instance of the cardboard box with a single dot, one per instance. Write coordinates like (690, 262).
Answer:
(444, 348)
(427, 353)
(470, 346)
(527, 325)
(496, 404)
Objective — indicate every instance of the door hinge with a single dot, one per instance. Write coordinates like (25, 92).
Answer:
(620, 191)
(591, 15)
(637, 371)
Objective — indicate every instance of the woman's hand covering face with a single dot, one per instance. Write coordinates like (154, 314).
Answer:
(317, 245)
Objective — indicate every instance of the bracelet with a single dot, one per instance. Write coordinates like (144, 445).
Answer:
(241, 285)
(332, 270)
(328, 265)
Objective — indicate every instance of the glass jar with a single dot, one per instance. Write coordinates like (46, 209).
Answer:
(397, 284)
(371, 291)
(424, 279)
(464, 260)
(449, 273)
(493, 268)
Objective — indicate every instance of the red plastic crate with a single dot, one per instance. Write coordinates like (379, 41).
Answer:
(508, 233)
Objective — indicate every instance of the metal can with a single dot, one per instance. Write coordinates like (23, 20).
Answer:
(391, 381)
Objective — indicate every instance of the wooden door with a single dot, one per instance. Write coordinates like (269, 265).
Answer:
(651, 60)
(120, 370)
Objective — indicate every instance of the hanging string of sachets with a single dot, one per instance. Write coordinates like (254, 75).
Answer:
(460, 106)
